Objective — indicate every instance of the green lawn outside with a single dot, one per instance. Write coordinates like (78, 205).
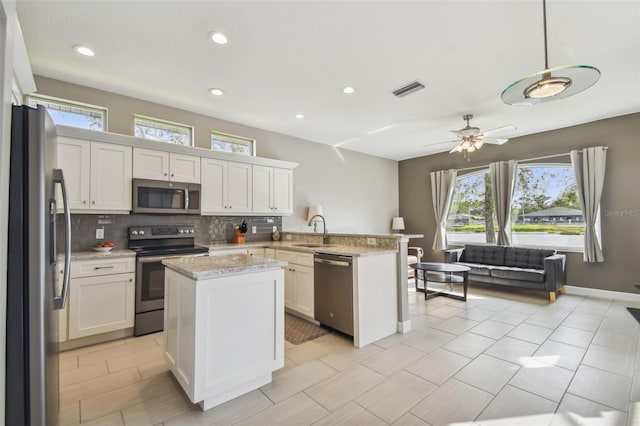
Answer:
(549, 229)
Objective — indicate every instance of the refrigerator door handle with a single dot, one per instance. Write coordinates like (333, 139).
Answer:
(60, 301)
(186, 199)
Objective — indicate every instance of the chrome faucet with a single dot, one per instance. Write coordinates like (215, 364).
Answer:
(325, 235)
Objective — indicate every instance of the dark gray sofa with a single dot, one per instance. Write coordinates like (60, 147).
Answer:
(538, 269)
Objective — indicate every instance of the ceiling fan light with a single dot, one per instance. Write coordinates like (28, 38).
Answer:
(547, 87)
(478, 144)
(471, 148)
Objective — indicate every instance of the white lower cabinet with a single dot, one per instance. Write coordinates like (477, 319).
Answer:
(298, 281)
(101, 301)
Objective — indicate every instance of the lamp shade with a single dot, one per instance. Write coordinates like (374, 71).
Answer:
(314, 210)
(397, 224)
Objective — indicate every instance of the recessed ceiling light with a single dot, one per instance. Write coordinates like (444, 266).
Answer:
(218, 37)
(83, 50)
(216, 92)
(299, 116)
(348, 90)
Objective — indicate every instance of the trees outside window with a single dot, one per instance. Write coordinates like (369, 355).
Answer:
(70, 113)
(162, 130)
(545, 211)
(225, 142)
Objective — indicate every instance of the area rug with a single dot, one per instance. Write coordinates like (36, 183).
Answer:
(635, 312)
(298, 331)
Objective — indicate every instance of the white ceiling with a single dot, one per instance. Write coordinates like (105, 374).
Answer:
(289, 57)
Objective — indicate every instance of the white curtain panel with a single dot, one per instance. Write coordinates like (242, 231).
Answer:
(503, 179)
(442, 184)
(589, 167)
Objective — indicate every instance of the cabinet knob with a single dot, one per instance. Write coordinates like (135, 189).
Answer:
(166, 174)
(84, 201)
(171, 174)
(93, 202)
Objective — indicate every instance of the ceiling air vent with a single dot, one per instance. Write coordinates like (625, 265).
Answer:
(408, 89)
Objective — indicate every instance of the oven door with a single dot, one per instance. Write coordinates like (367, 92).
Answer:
(150, 282)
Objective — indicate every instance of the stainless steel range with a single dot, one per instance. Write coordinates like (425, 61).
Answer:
(152, 244)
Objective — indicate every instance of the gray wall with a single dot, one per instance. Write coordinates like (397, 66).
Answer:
(358, 193)
(620, 201)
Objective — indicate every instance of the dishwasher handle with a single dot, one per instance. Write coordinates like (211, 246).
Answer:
(332, 262)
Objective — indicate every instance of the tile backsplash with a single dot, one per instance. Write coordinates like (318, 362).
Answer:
(209, 229)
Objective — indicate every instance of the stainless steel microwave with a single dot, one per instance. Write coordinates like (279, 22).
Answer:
(157, 196)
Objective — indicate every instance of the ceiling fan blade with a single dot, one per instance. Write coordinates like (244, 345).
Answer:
(442, 143)
(509, 127)
(454, 149)
(494, 141)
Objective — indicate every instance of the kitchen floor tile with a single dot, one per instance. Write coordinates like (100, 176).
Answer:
(581, 322)
(395, 396)
(454, 402)
(153, 368)
(513, 406)
(429, 342)
(296, 379)
(396, 339)
(512, 350)
(225, 414)
(75, 375)
(469, 344)
(423, 322)
(142, 356)
(346, 358)
(616, 340)
(445, 312)
(574, 410)
(306, 352)
(344, 387)
(560, 354)
(477, 314)
(393, 359)
(572, 336)
(601, 386)
(409, 419)
(542, 379)
(487, 373)
(438, 366)
(155, 410)
(350, 414)
(98, 385)
(492, 329)
(613, 360)
(509, 317)
(455, 325)
(113, 419)
(297, 410)
(530, 333)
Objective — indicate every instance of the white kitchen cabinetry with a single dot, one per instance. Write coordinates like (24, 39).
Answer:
(224, 251)
(101, 296)
(272, 190)
(226, 187)
(167, 166)
(298, 281)
(97, 175)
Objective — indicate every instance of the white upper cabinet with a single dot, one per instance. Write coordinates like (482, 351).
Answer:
(272, 190)
(162, 165)
(97, 175)
(226, 187)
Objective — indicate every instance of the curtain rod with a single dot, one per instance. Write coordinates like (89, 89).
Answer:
(525, 160)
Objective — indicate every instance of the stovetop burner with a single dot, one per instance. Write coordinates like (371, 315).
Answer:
(164, 240)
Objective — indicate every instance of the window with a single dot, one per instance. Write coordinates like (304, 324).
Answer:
(70, 113)
(162, 130)
(471, 214)
(230, 143)
(546, 210)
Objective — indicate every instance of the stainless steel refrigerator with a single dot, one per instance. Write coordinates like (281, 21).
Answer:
(33, 295)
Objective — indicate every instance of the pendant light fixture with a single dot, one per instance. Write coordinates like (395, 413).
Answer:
(550, 83)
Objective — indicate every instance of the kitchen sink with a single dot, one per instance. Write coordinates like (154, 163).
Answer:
(307, 245)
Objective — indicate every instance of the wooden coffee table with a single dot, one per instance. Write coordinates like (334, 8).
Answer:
(443, 273)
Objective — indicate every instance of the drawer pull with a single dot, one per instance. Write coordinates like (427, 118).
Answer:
(103, 267)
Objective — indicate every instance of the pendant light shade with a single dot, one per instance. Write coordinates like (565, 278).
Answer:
(550, 83)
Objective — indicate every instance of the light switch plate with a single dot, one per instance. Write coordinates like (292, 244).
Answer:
(274, 229)
(254, 229)
(99, 233)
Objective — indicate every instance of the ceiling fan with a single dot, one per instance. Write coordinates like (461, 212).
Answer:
(471, 138)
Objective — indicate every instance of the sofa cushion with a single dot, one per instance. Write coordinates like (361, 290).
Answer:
(485, 255)
(411, 260)
(521, 274)
(526, 258)
(477, 269)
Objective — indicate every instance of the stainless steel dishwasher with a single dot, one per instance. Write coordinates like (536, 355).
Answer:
(333, 291)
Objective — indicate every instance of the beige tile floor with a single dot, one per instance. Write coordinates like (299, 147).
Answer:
(501, 358)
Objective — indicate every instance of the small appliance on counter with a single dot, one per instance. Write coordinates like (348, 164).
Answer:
(152, 245)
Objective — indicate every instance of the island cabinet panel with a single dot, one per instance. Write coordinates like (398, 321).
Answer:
(225, 335)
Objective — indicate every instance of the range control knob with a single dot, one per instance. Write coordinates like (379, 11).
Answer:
(134, 232)
(141, 232)
(181, 231)
(191, 231)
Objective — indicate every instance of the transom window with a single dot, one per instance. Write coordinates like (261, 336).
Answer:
(545, 211)
(162, 130)
(71, 113)
(225, 142)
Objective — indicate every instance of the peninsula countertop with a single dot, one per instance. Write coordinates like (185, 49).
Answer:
(205, 267)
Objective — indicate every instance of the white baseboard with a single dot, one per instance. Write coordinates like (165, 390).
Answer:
(404, 326)
(603, 294)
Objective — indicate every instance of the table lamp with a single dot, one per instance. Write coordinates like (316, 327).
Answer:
(397, 225)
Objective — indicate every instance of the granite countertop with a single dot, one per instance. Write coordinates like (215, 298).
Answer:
(93, 255)
(205, 267)
(300, 247)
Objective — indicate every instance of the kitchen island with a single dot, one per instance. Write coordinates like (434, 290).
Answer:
(224, 324)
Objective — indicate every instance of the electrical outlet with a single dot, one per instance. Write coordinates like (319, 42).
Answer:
(254, 229)
(371, 241)
(100, 234)
(274, 229)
